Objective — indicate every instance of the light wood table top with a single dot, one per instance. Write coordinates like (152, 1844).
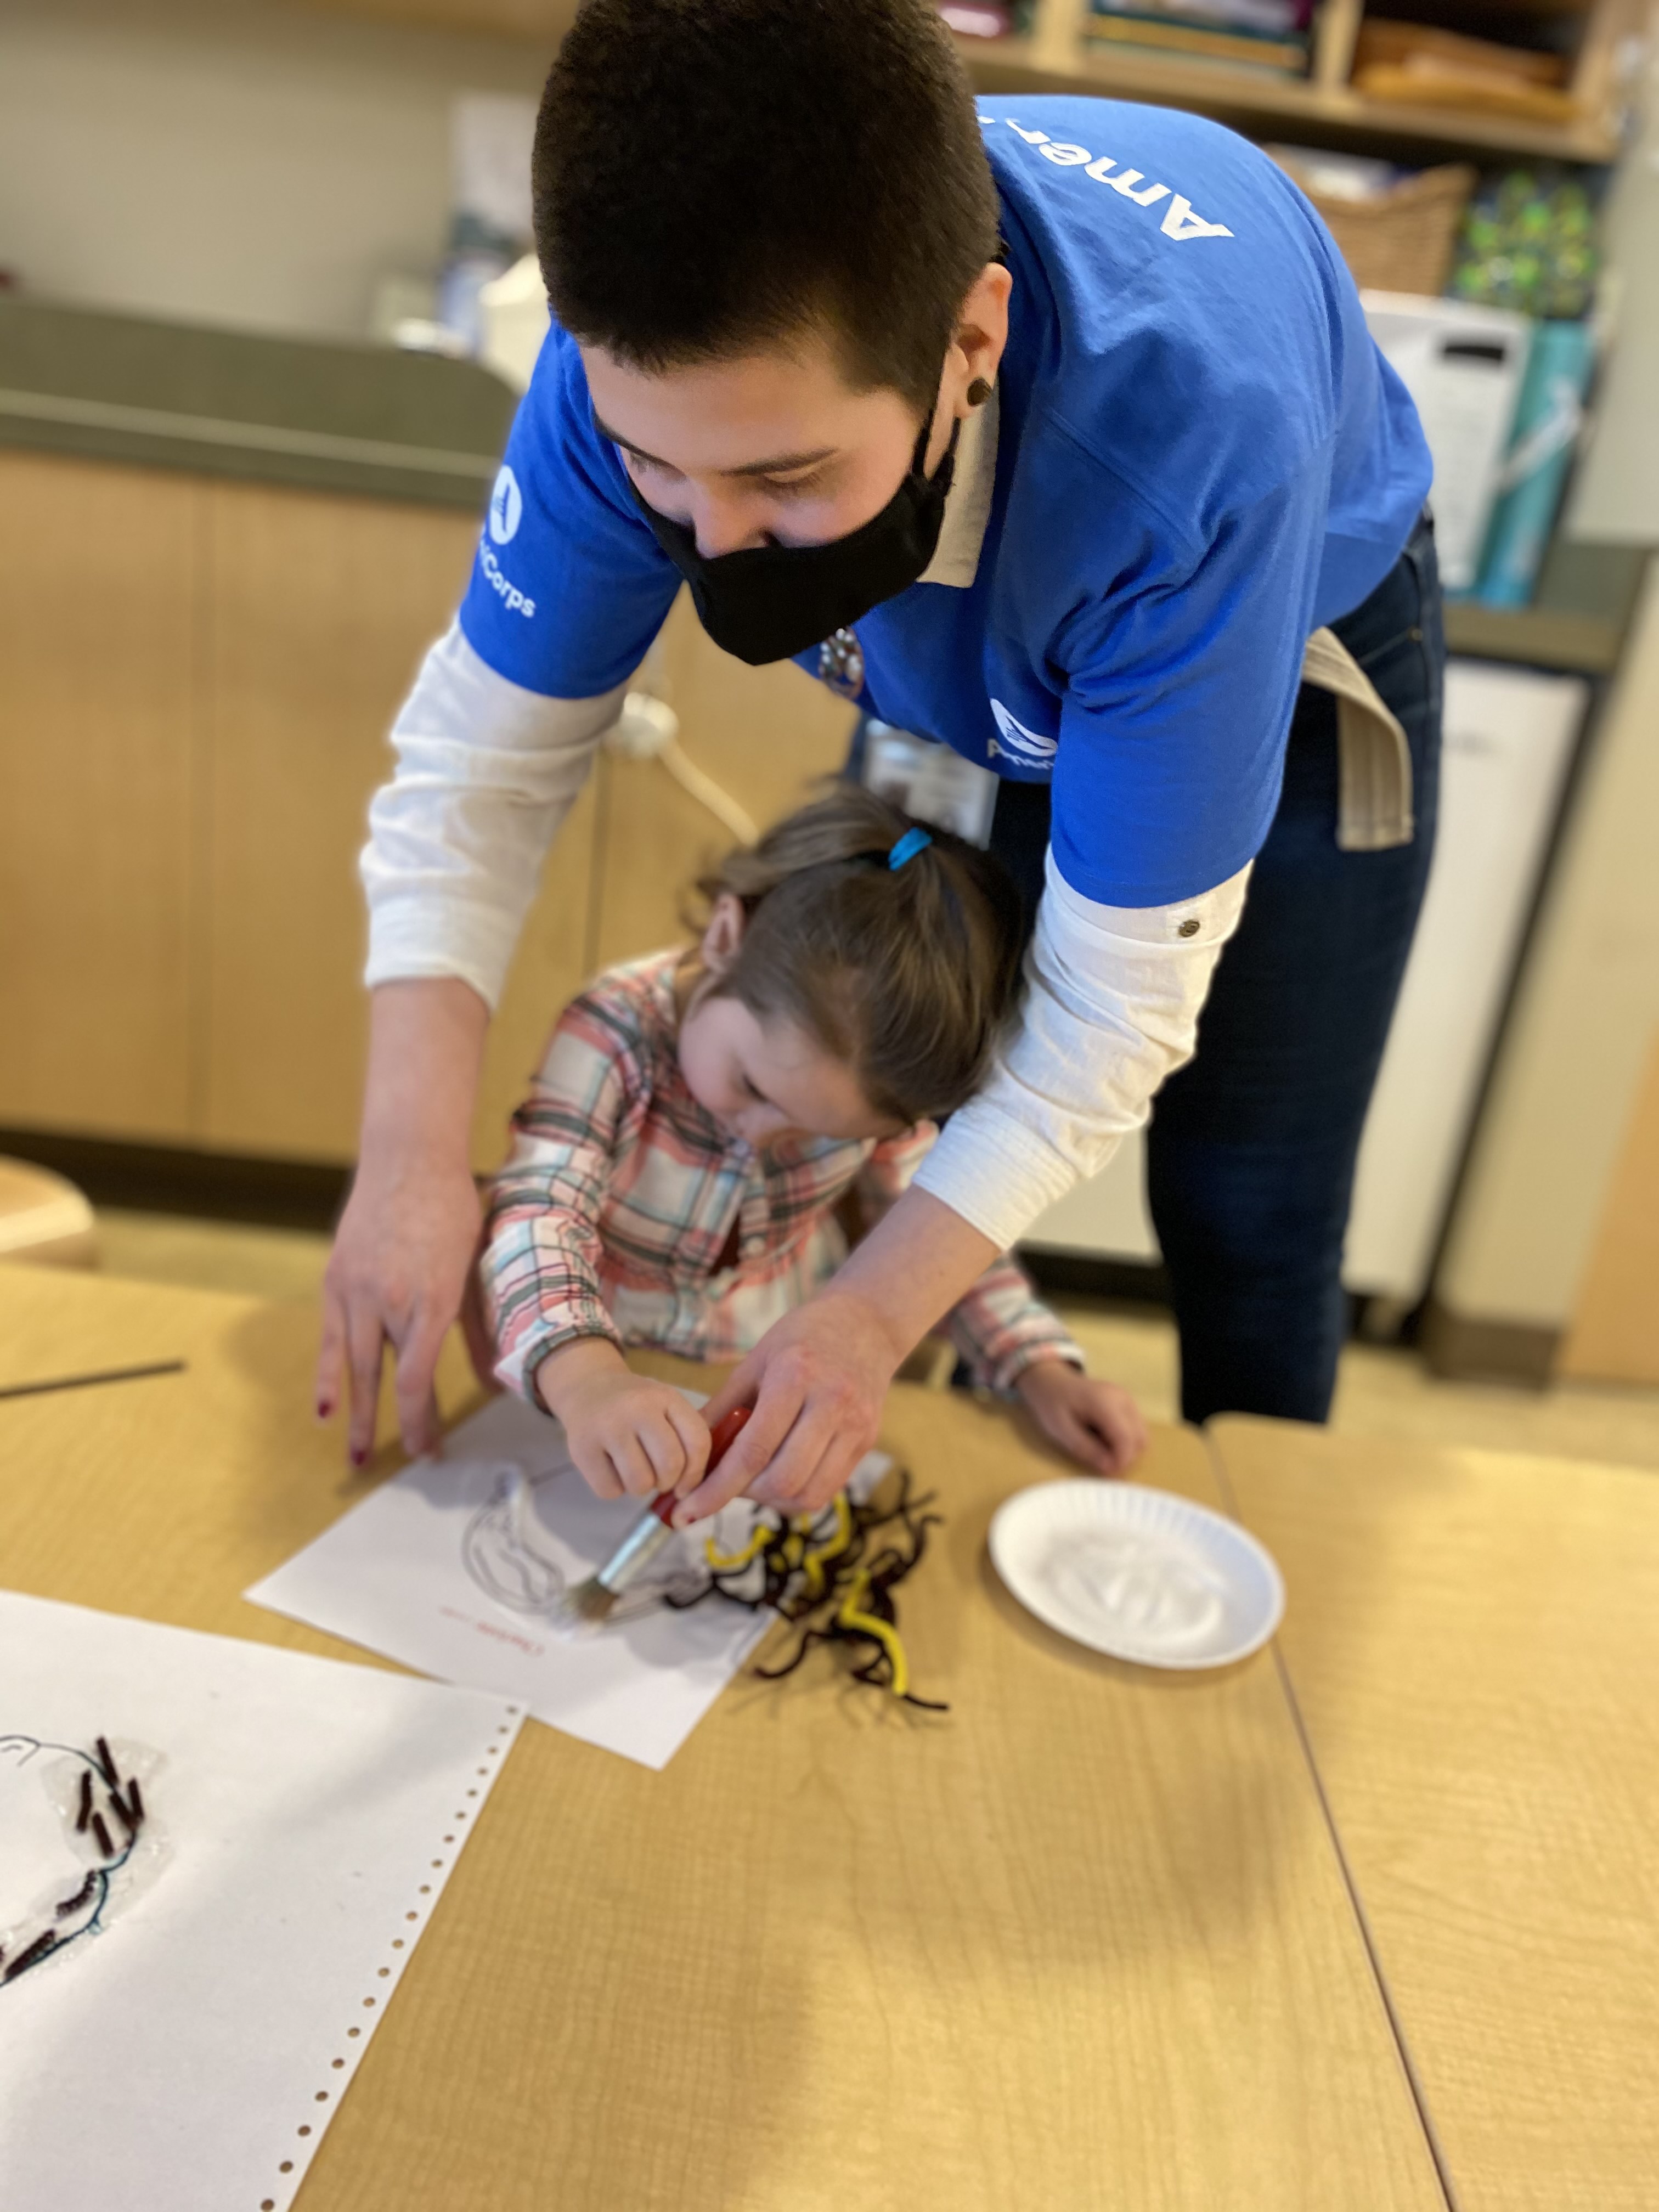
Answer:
(1473, 1643)
(1083, 1943)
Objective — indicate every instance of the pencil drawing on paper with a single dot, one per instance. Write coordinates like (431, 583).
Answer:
(70, 1821)
(505, 1549)
(501, 1551)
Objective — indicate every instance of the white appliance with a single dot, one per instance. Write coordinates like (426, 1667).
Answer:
(1463, 366)
(513, 321)
(1509, 734)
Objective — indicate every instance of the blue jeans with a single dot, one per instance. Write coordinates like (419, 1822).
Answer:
(1251, 1150)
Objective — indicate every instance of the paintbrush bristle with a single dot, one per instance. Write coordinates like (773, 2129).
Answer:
(589, 1605)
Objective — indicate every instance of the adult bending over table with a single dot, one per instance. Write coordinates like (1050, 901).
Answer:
(1053, 432)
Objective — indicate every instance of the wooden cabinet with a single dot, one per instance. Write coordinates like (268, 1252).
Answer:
(320, 609)
(317, 610)
(199, 679)
(99, 737)
(763, 734)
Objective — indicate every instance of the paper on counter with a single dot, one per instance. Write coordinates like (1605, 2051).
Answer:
(188, 2056)
(444, 1569)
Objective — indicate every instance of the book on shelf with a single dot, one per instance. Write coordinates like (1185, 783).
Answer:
(1274, 18)
(1166, 33)
(1431, 68)
(977, 19)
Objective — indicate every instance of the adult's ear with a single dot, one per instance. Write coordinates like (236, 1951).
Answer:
(723, 939)
(981, 334)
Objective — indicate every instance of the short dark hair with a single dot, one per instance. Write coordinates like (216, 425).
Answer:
(908, 974)
(712, 175)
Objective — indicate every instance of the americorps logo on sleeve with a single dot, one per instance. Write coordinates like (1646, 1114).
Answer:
(506, 513)
(1020, 744)
(506, 506)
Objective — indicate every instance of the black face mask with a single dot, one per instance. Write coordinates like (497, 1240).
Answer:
(769, 602)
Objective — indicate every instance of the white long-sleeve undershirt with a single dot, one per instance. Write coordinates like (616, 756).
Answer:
(1112, 1000)
(486, 773)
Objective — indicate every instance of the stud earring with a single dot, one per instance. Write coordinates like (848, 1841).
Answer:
(978, 393)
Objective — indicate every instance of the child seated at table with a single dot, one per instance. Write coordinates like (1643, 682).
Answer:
(705, 1119)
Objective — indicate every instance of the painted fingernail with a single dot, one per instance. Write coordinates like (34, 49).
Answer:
(359, 1455)
(324, 1409)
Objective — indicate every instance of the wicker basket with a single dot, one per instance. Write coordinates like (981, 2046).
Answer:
(1403, 240)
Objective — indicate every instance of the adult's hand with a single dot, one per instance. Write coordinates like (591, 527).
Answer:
(410, 1231)
(817, 1380)
(401, 1257)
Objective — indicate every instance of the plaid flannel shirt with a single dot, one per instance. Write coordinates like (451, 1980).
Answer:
(621, 1195)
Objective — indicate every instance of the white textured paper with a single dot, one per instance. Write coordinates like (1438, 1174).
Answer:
(188, 2058)
(394, 1575)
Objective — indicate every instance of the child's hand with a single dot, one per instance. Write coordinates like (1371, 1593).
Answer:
(1095, 1422)
(625, 1431)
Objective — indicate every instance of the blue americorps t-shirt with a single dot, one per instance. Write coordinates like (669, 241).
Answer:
(1201, 459)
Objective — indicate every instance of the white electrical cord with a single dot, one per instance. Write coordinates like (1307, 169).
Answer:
(704, 788)
(649, 729)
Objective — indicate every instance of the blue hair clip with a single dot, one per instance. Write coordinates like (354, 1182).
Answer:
(908, 847)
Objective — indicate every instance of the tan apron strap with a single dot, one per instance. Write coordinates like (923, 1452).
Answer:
(1374, 810)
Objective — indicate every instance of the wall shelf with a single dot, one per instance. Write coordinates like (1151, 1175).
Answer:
(1579, 618)
(1323, 107)
(1053, 57)
(1264, 105)
(1538, 637)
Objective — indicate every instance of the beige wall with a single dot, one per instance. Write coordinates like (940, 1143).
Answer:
(1615, 1335)
(1571, 1070)
(1615, 499)
(233, 162)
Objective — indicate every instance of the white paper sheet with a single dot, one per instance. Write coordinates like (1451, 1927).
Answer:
(454, 1567)
(187, 2056)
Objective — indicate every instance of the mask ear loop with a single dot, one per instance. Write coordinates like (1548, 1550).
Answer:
(919, 458)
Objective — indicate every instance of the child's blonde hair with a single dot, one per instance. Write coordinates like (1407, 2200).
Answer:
(907, 973)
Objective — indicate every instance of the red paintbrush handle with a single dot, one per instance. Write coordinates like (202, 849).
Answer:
(726, 1433)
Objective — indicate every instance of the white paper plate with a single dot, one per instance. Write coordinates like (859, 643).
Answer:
(1137, 1572)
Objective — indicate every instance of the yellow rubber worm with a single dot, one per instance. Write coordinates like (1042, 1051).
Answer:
(752, 1551)
(832, 1548)
(888, 1637)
